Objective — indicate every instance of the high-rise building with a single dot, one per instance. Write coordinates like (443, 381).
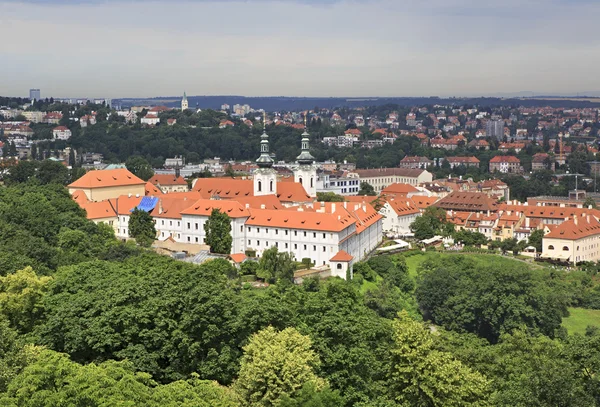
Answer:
(495, 128)
(34, 94)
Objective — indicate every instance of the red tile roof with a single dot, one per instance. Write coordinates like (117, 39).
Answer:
(204, 207)
(505, 159)
(167, 180)
(107, 178)
(576, 228)
(342, 256)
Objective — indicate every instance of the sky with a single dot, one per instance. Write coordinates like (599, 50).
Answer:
(141, 48)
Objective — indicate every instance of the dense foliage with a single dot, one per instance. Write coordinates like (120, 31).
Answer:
(87, 320)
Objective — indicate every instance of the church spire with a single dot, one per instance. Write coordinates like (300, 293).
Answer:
(305, 158)
(265, 160)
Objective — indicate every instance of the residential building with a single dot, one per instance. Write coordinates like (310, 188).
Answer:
(398, 214)
(495, 129)
(416, 162)
(379, 178)
(464, 161)
(505, 164)
(403, 190)
(35, 94)
(542, 161)
(169, 183)
(151, 119)
(61, 133)
(574, 241)
(34, 117)
(467, 202)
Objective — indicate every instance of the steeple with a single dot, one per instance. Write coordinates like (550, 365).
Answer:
(265, 160)
(305, 158)
(184, 102)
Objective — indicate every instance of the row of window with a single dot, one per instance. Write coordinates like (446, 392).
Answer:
(286, 246)
(286, 232)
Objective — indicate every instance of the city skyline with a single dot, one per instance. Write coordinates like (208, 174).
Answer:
(298, 48)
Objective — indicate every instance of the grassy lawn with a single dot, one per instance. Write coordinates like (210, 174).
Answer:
(580, 318)
(413, 263)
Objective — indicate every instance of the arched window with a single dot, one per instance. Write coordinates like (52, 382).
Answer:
(259, 186)
(550, 247)
(339, 266)
(565, 248)
(311, 182)
(300, 180)
(271, 186)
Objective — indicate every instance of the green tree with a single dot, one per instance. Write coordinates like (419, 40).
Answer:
(424, 376)
(14, 356)
(52, 172)
(21, 172)
(431, 223)
(141, 227)
(21, 297)
(218, 232)
(140, 167)
(276, 266)
(276, 364)
(535, 239)
(589, 202)
(329, 197)
(366, 189)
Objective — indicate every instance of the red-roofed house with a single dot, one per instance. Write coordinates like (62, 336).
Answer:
(61, 133)
(398, 214)
(100, 185)
(464, 161)
(573, 241)
(505, 164)
(169, 183)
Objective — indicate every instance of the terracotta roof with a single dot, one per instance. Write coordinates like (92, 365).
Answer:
(416, 159)
(107, 178)
(383, 172)
(237, 257)
(342, 256)
(229, 188)
(399, 188)
(472, 160)
(292, 192)
(576, 228)
(467, 201)
(99, 210)
(257, 202)
(423, 202)
(204, 207)
(167, 179)
(80, 197)
(60, 128)
(125, 204)
(505, 159)
(152, 190)
(303, 220)
(403, 207)
(171, 208)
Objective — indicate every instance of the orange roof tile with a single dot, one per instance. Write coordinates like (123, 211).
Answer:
(423, 202)
(152, 190)
(403, 206)
(167, 180)
(237, 257)
(107, 178)
(576, 228)
(99, 210)
(342, 256)
(300, 220)
(80, 197)
(204, 207)
(399, 188)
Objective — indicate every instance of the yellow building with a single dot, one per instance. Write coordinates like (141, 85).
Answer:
(101, 185)
(573, 241)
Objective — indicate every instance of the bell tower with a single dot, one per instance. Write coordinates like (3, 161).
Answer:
(306, 173)
(265, 177)
(184, 102)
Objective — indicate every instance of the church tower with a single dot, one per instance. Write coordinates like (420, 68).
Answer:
(184, 102)
(265, 177)
(306, 172)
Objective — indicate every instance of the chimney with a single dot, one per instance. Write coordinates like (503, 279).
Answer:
(588, 219)
(333, 207)
(160, 207)
(247, 206)
(137, 195)
(364, 207)
(323, 204)
(262, 206)
(129, 195)
(345, 204)
(575, 219)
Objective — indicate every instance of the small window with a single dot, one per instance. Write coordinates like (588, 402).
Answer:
(196, 240)
(276, 231)
(323, 235)
(565, 248)
(189, 226)
(249, 228)
(189, 239)
(314, 235)
(276, 244)
(295, 233)
(170, 223)
(249, 243)
(266, 231)
(550, 247)
(162, 222)
(304, 247)
(286, 232)
(295, 246)
(304, 234)
(314, 248)
(324, 249)
(339, 266)
(257, 230)
(242, 228)
(286, 245)
(196, 226)
(258, 243)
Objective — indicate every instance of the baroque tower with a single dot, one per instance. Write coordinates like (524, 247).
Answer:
(306, 173)
(265, 177)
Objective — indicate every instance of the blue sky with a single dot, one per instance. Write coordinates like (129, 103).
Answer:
(132, 48)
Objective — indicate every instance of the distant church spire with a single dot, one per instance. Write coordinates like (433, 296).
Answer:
(305, 158)
(184, 102)
(265, 160)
